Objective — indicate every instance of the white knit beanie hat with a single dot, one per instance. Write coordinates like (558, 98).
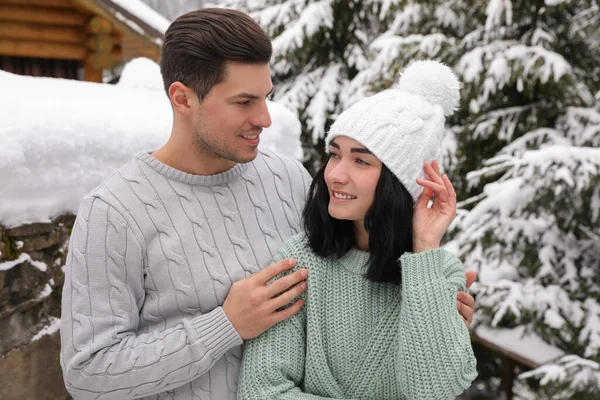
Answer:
(403, 126)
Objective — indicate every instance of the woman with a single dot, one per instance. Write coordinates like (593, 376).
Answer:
(379, 320)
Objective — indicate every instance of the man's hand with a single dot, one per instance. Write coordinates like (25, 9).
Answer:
(465, 302)
(251, 304)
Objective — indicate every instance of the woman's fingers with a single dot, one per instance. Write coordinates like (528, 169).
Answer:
(436, 167)
(424, 197)
(433, 174)
(450, 190)
(438, 189)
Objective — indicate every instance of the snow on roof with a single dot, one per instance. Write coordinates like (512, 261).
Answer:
(61, 138)
(138, 16)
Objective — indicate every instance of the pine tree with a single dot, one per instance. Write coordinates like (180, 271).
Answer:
(527, 164)
(522, 150)
(320, 46)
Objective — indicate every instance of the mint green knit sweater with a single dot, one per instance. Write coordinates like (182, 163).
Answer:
(355, 339)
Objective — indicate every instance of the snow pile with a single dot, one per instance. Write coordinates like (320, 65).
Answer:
(61, 138)
(141, 73)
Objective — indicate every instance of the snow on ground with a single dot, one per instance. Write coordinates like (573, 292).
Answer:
(61, 138)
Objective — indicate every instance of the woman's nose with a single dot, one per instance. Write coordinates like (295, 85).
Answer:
(339, 173)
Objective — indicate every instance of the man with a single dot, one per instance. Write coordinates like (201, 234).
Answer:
(163, 280)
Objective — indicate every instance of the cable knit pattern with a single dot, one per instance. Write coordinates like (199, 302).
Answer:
(153, 254)
(355, 339)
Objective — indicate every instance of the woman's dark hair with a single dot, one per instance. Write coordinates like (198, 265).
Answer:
(198, 44)
(388, 221)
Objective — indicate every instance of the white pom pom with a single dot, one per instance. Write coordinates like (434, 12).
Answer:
(435, 81)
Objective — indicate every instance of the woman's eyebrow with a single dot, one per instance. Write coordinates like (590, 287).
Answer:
(362, 150)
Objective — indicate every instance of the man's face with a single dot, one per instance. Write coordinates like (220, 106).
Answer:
(229, 121)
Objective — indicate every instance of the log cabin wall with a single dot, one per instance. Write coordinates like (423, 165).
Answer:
(66, 69)
(74, 39)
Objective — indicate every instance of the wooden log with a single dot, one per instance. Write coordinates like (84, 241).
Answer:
(29, 48)
(40, 3)
(46, 15)
(30, 31)
(100, 60)
(99, 25)
(508, 377)
(100, 43)
(92, 74)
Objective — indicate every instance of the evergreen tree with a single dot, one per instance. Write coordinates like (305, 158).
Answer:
(527, 148)
(522, 151)
(320, 46)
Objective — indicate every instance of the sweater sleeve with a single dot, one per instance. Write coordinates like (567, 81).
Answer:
(435, 358)
(102, 354)
(273, 362)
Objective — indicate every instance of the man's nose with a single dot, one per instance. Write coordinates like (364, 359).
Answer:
(263, 117)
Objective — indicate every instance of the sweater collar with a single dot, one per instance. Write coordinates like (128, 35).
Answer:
(191, 179)
(355, 261)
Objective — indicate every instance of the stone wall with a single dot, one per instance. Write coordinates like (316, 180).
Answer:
(31, 278)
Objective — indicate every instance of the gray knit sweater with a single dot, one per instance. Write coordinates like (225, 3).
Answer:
(153, 254)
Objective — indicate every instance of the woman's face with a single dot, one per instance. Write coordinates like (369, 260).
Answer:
(351, 175)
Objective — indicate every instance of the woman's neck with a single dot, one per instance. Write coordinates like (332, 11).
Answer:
(362, 236)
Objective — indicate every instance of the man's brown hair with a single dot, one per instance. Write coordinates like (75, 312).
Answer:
(198, 44)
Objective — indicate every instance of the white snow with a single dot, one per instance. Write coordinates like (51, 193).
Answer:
(494, 12)
(319, 106)
(571, 372)
(447, 17)
(141, 73)
(591, 329)
(527, 345)
(408, 17)
(4, 266)
(555, 2)
(9, 264)
(46, 291)
(314, 16)
(53, 327)
(278, 15)
(385, 7)
(533, 62)
(61, 138)
(144, 13)
(390, 51)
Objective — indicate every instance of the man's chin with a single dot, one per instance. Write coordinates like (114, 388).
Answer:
(248, 157)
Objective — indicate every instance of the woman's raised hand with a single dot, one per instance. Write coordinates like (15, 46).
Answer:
(430, 224)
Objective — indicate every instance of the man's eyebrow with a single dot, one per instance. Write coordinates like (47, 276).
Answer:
(249, 96)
